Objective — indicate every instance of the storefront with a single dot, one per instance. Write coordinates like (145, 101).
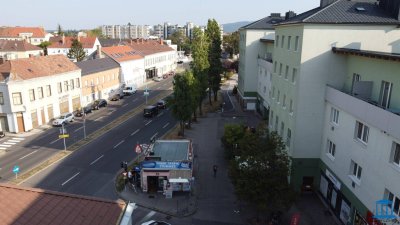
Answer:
(330, 188)
(168, 167)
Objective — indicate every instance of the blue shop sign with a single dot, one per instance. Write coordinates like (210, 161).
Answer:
(166, 165)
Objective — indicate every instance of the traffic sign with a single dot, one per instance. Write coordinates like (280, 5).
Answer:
(138, 149)
(146, 93)
(16, 169)
(63, 136)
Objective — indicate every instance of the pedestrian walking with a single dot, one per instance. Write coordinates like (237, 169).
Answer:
(215, 168)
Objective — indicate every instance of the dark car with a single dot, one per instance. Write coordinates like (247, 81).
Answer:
(99, 103)
(150, 111)
(117, 97)
(2, 134)
(87, 109)
(161, 104)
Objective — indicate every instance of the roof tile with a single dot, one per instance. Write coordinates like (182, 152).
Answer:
(37, 32)
(119, 53)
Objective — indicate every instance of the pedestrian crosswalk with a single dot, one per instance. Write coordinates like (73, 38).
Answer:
(10, 142)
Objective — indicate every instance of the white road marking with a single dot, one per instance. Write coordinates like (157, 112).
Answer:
(5, 146)
(125, 105)
(112, 110)
(165, 125)
(16, 141)
(54, 141)
(78, 129)
(70, 178)
(28, 154)
(9, 143)
(162, 113)
(96, 160)
(154, 136)
(101, 117)
(2, 148)
(18, 138)
(135, 132)
(119, 143)
(148, 123)
(148, 216)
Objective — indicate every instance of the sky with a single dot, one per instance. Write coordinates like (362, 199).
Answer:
(89, 14)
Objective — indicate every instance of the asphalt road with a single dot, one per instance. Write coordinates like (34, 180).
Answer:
(26, 152)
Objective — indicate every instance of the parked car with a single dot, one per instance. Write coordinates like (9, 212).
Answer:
(158, 79)
(165, 76)
(161, 104)
(180, 62)
(150, 111)
(117, 97)
(63, 119)
(99, 103)
(87, 109)
(153, 222)
(129, 90)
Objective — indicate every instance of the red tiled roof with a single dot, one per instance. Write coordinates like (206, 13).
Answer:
(122, 53)
(37, 32)
(20, 205)
(17, 46)
(40, 66)
(57, 42)
(148, 47)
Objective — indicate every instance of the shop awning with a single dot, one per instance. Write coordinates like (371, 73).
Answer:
(178, 180)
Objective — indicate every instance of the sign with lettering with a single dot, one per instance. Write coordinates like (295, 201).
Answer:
(166, 165)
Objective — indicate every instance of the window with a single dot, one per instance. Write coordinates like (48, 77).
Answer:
(40, 92)
(59, 87)
(289, 40)
(48, 90)
(77, 83)
(66, 85)
(385, 94)
(287, 72)
(86, 83)
(102, 79)
(271, 118)
(32, 95)
(356, 78)
(280, 69)
(275, 67)
(291, 106)
(395, 154)
(282, 129)
(1, 98)
(334, 116)
(71, 84)
(277, 41)
(276, 123)
(288, 137)
(277, 98)
(356, 171)
(283, 41)
(362, 132)
(395, 201)
(97, 81)
(294, 74)
(17, 100)
(296, 43)
(331, 148)
(284, 101)
(273, 92)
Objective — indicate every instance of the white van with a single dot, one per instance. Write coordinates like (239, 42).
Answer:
(129, 90)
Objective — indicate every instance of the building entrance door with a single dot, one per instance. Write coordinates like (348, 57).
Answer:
(20, 122)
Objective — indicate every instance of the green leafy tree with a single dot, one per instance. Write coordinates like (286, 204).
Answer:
(44, 46)
(200, 64)
(95, 33)
(260, 155)
(213, 33)
(76, 51)
(181, 103)
(231, 43)
(180, 39)
(60, 32)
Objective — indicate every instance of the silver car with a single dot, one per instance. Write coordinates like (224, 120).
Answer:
(63, 119)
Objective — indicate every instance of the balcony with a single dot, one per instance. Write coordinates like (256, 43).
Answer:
(387, 120)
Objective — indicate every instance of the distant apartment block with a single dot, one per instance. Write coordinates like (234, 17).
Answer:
(126, 31)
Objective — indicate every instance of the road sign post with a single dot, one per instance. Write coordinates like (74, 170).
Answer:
(63, 135)
(16, 171)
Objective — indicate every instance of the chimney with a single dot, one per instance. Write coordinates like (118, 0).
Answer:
(1, 60)
(63, 39)
(99, 53)
(324, 3)
(392, 7)
(289, 15)
(161, 41)
(131, 41)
